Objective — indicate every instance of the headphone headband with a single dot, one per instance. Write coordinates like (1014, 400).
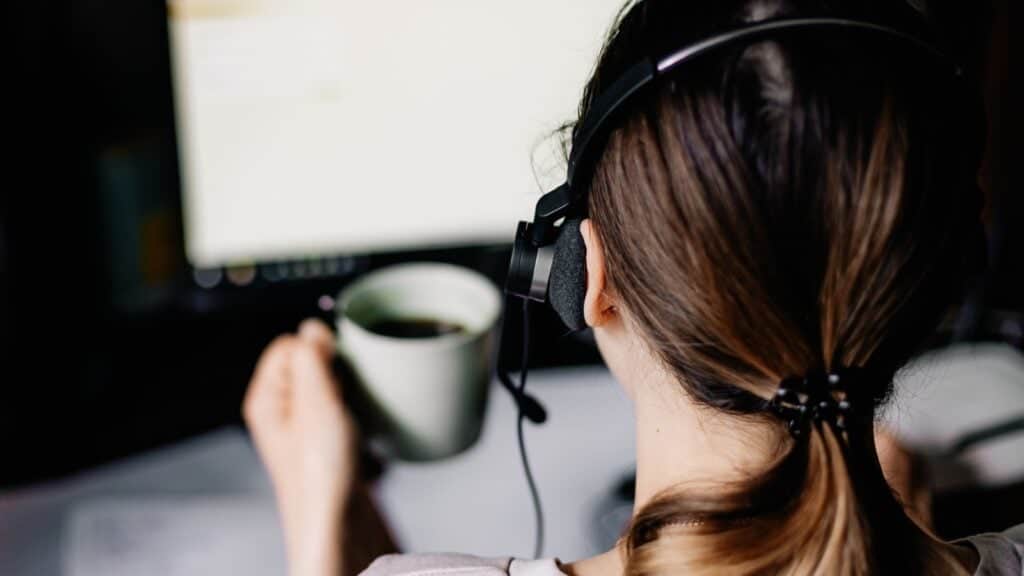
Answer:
(547, 265)
(606, 106)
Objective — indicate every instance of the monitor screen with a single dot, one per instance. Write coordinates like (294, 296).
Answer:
(313, 127)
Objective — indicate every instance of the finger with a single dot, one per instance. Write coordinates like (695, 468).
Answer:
(315, 383)
(316, 332)
(267, 395)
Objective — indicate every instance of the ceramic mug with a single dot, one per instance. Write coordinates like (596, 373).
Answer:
(427, 392)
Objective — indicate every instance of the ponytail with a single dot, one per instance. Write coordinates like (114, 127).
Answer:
(809, 514)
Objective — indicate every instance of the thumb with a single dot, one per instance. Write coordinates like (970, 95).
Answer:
(317, 333)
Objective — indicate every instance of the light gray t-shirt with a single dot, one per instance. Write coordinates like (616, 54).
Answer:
(999, 555)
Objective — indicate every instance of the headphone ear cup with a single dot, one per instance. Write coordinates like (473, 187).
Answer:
(567, 285)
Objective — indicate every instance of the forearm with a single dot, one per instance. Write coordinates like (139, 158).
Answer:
(343, 542)
(315, 549)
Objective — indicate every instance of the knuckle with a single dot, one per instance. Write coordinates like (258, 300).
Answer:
(281, 345)
(275, 354)
(268, 371)
(247, 408)
(305, 352)
(250, 409)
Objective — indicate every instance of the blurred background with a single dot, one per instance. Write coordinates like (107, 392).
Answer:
(187, 179)
(194, 176)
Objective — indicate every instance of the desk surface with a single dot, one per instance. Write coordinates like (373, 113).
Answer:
(475, 503)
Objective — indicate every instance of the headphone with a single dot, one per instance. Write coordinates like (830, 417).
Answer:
(548, 260)
(548, 264)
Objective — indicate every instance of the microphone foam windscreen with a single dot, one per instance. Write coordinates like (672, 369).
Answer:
(567, 285)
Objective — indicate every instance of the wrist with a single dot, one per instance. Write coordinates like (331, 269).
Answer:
(318, 551)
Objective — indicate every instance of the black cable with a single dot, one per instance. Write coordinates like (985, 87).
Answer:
(528, 409)
(538, 543)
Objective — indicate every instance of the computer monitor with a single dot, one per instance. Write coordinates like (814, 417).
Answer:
(327, 127)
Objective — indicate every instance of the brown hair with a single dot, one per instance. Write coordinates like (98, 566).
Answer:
(787, 207)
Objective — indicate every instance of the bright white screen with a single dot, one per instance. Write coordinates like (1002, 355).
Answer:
(311, 127)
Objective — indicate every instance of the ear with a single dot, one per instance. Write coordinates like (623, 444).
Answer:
(598, 305)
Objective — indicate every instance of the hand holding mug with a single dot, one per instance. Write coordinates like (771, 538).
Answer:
(308, 442)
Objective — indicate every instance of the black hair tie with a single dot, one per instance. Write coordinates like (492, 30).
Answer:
(824, 398)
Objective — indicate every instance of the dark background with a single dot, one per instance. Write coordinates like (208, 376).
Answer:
(85, 378)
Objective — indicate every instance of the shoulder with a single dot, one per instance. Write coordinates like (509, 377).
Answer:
(1000, 553)
(460, 565)
(437, 564)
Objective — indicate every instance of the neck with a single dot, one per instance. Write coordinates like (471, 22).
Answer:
(679, 441)
(682, 444)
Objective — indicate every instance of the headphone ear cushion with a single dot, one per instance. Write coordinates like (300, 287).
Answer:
(567, 285)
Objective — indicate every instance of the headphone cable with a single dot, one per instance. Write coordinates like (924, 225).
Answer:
(528, 409)
(538, 543)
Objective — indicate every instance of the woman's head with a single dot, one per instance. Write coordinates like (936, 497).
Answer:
(786, 207)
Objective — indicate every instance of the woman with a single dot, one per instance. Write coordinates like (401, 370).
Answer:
(800, 206)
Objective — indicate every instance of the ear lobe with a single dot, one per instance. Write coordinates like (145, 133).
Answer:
(598, 308)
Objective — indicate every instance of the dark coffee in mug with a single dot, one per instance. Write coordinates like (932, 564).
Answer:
(413, 327)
